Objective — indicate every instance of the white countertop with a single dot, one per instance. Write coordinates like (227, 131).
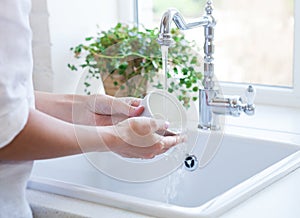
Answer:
(280, 119)
(48, 205)
(267, 120)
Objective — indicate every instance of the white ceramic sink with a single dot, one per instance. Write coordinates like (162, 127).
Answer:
(240, 168)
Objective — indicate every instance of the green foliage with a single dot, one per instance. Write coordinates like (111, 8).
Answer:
(131, 51)
(190, 8)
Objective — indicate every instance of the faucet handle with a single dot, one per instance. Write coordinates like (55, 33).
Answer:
(250, 96)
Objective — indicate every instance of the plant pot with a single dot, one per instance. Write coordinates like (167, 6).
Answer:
(116, 85)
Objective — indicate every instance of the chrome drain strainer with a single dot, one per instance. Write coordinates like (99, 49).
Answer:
(191, 163)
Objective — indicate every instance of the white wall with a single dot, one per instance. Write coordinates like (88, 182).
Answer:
(70, 22)
(42, 71)
(60, 24)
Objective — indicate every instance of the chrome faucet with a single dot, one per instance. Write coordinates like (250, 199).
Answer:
(211, 102)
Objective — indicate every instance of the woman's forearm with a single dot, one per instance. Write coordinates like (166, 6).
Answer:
(47, 137)
(58, 105)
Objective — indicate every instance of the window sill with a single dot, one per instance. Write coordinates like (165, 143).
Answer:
(269, 122)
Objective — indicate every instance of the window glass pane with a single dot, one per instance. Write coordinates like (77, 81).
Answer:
(253, 39)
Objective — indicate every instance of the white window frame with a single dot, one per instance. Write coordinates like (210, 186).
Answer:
(271, 95)
(127, 11)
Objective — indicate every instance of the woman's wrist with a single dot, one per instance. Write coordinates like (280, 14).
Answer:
(95, 139)
(108, 137)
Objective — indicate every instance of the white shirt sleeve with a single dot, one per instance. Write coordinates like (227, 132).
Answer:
(16, 89)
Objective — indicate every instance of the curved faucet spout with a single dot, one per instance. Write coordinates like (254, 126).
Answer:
(173, 15)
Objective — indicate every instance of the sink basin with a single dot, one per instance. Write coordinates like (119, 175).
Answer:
(237, 168)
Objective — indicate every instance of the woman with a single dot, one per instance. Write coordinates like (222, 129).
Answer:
(43, 125)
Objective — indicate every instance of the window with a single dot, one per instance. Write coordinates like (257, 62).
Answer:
(254, 43)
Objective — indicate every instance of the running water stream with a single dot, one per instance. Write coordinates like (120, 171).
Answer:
(175, 178)
(164, 56)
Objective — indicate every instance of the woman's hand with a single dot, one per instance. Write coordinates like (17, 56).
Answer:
(103, 110)
(137, 138)
(129, 136)
(95, 110)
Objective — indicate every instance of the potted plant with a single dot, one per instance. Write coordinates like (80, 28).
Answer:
(129, 61)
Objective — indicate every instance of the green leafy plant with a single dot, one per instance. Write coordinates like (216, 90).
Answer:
(129, 58)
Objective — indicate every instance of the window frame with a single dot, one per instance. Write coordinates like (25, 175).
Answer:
(271, 95)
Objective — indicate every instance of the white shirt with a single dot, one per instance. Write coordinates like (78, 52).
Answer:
(16, 97)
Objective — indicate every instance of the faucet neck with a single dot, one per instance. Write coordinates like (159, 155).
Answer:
(208, 47)
(207, 21)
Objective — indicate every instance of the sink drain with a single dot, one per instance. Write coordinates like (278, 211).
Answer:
(191, 163)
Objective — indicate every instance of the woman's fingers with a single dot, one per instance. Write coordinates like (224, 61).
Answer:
(109, 105)
(158, 148)
(130, 106)
(158, 125)
(135, 111)
(131, 101)
(137, 137)
(170, 141)
(145, 126)
(127, 106)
